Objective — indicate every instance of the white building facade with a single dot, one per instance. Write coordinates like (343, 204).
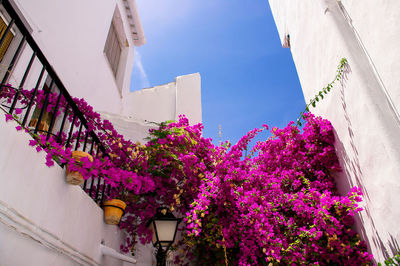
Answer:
(363, 107)
(90, 46)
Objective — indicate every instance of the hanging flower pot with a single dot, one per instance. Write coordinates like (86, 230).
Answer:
(74, 177)
(113, 211)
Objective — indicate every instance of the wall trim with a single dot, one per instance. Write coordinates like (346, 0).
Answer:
(20, 224)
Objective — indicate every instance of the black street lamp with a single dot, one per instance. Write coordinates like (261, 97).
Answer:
(164, 226)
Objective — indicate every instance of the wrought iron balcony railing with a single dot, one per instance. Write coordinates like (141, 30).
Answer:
(56, 114)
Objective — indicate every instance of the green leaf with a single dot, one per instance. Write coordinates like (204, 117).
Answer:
(313, 104)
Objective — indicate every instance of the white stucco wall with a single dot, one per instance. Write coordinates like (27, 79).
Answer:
(158, 104)
(72, 36)
(44, 220)
(132, 129)
(362, 109)
(167, 102)
(377, 24)
(188, 97)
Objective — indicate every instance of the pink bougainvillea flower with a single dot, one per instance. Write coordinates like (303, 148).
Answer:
(49, 160)
(278, 205)
(49, 163)
(8, 117)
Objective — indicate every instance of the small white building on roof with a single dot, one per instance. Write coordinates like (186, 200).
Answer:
(87, 49)
(363, 107)
(160, 103)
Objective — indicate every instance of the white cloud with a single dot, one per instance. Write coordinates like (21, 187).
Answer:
(139, 69)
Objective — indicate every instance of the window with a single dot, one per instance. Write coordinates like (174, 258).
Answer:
(7, 40)
(113, 49)
(47, 116)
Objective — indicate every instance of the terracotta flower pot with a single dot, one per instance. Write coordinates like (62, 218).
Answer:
(74, 177)
(113, 211)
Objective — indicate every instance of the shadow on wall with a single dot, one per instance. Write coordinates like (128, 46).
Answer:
(394, 246)
(352, 175)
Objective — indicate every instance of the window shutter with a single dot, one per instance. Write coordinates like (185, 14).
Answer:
(7, 40)
(113, 49)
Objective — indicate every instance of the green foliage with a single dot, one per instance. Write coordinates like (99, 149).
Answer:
(394, 261)
(320, 95)
(159, 134)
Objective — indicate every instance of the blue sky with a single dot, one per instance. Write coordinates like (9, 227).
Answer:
(248, 79)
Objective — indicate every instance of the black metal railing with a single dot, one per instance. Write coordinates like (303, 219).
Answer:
(56, 114)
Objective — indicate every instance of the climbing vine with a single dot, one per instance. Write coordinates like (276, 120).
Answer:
(320, 95)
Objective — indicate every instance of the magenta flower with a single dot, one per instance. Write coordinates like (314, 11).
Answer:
(277, 206)
(8, 117)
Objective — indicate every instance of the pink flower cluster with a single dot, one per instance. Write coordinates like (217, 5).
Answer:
(277, 206)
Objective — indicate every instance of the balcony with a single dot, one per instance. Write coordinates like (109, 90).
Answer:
(56, 114)
(47, 220)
